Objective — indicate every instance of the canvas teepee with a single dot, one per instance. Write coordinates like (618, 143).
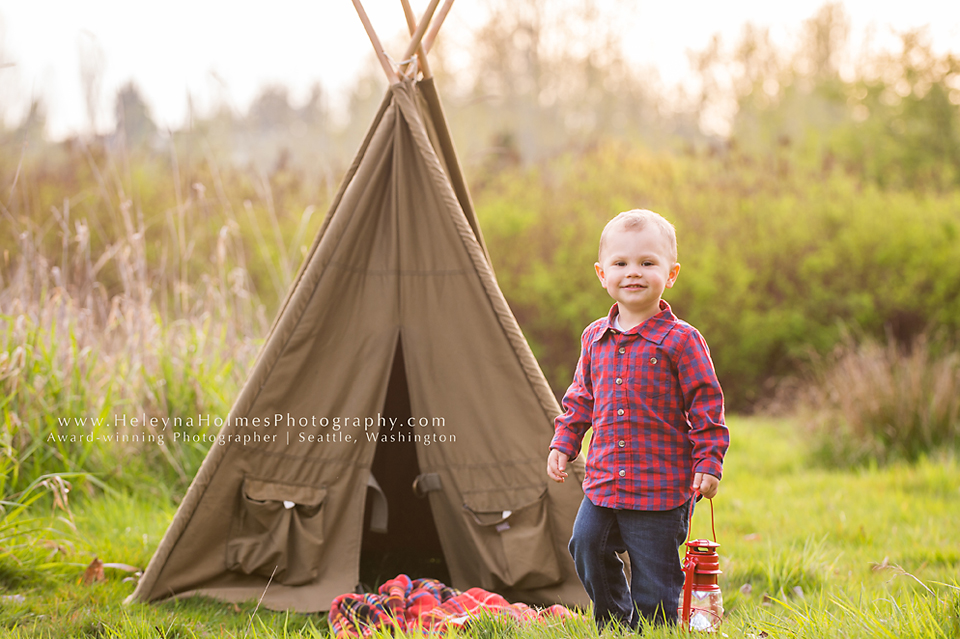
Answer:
(395, 315)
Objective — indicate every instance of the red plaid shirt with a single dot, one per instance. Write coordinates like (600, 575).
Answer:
(656, 408)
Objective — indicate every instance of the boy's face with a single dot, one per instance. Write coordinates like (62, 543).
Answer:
(635, 268)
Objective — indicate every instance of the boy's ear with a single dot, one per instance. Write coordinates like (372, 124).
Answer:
(672, 277)
(599, 270)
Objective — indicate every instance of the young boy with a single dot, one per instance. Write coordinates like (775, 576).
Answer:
(647, 386)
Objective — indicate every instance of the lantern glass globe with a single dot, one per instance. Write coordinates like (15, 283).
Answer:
(706, 610)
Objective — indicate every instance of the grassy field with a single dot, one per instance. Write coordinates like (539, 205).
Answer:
(806, 552)
(821, 262)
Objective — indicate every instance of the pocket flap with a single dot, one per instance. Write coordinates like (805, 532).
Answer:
(260, 490)
(496, 506)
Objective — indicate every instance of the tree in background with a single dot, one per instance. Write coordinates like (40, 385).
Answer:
(905, 112)
(135, 126)
(890, 117)
(554, 76)
(92, 64)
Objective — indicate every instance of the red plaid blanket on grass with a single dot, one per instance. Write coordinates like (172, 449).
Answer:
(426, 604)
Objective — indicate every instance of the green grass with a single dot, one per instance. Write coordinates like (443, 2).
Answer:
(120, 528)
(806, 552)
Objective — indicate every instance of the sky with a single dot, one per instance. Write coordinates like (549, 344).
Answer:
(225, 51)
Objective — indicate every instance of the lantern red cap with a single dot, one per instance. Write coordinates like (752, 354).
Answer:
(703, 555)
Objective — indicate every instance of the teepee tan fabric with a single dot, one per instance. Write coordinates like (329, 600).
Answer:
(395, 315)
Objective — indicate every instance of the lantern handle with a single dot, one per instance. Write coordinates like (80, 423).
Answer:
(713, 527)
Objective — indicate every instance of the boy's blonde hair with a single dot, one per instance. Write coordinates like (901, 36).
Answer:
(637, 219)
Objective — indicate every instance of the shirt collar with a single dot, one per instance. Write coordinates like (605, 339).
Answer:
(653, 330)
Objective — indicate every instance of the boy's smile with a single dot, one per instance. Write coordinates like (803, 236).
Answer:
(636, 267)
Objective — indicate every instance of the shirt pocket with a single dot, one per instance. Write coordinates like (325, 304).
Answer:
(653, 376)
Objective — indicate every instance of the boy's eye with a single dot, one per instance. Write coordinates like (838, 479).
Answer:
(620, 263)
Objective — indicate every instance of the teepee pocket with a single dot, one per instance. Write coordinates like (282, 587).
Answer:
(515, 542)
(277, 531)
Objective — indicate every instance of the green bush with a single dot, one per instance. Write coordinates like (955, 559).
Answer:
(776, 259)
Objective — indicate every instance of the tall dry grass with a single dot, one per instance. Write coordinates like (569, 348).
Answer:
(886, 401)
(104, 317)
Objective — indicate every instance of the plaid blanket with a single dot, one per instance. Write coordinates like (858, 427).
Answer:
(402, 604)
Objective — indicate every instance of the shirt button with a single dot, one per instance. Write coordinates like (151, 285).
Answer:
(653, 360)
(620, 412)
(623, 473)
(619, 380)
(622, 350)
(621, 444)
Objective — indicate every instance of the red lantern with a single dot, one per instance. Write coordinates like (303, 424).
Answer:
(701, 603)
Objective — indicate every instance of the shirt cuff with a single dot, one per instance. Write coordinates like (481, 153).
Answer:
(571, 452)
(710, 467)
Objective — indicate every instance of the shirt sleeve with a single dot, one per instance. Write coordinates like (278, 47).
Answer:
(577, 404)
(703, 399)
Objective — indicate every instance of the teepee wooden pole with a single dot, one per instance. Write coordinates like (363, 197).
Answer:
(435, 28)
(421, 30)
(377, 47)
(412, 26)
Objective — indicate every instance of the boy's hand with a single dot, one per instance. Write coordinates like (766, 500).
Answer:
(706, 485)
(557, 465)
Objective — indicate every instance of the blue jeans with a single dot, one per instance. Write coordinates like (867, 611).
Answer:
(652, 540)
